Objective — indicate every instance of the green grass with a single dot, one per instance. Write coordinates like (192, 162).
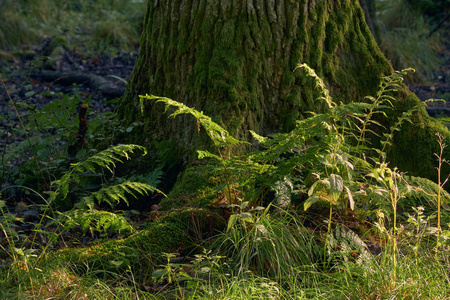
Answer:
(101, 26)
(420, 277)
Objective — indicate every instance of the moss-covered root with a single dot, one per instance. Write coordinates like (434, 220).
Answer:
(176, 231)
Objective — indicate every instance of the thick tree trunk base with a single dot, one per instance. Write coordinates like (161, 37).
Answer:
(234, 61)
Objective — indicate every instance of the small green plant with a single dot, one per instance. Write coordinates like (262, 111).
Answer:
(389, 180)
(421, 225)
(243, 215)
(441, 161)
(173, 272)
(105, 159)
(345, 247)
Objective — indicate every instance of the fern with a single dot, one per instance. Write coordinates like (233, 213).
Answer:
(103, 222)
(423, 189)
(104, 159)
(107, 158)
(220, 136)
(116, 193)
(346, 245)
(319, 84)
(405, 117)
(332, 143)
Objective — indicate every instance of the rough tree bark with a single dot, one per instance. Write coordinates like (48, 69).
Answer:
(234, 60)
(370, 14)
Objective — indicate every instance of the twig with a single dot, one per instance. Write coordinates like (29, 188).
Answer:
(439, 25)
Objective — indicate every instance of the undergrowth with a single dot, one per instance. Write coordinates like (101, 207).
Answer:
(316, 212)
(329, 159)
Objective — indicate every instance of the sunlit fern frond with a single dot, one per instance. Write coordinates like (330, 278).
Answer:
(119, 192)
(103, 222)
(104, 159)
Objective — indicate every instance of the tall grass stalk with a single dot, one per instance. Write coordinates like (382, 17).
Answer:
(441, 161)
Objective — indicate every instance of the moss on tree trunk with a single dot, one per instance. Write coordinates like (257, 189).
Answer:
(234, 60)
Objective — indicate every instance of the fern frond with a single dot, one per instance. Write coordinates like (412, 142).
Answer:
(405, 117)
(319, 84)
(348, 242)
(103, 222)
(107, 158)
(260, 139)
(220, 136)
(425, 189)
(206, 154)
(119, 192)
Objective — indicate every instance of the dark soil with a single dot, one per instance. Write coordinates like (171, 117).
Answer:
(29, 72)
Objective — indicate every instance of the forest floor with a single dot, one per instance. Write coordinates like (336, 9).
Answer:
(29, 79)
(30, 82)
(27, 73)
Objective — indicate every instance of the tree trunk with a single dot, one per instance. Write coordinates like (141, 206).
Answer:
(234, 60)
(370, 14)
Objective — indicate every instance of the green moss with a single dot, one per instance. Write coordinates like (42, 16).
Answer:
(140, 251)
(196, 186)
(173, 231)
(421, 143)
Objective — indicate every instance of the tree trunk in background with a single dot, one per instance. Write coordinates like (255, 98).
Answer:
(370, 14)
(234, 60)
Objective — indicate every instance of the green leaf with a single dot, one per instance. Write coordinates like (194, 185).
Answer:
(260, 139)
(261, 228)
(116, 263)
(244, 205)
(206, 154)
(158, 273)
(19, 251)
(310, 201)
(258, 208)
(336, 186)
(311, 190)
(247, 217)
(350, 198)
(118, 78)
(232, 221)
